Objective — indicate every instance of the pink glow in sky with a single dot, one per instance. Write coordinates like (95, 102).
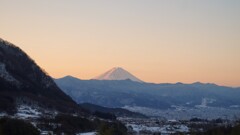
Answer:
(156, 40)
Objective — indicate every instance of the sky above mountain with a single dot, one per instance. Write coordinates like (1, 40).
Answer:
(156, 40)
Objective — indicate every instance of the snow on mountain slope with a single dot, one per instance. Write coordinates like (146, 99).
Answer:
(4, 74)
(117, 73)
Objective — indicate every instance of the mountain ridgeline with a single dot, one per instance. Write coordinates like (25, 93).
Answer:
(23, 81)
(120, 93)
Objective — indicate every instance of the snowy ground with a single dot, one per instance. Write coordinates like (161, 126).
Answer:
(3, 114)
(153, 125)
(88, 133)
(25, 111)
(165, 129)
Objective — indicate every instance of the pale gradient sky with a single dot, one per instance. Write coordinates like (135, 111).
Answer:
(156, 40)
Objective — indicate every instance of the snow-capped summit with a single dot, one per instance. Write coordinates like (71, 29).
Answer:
(117, 73)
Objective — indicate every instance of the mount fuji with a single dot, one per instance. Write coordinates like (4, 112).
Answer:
(117, 73)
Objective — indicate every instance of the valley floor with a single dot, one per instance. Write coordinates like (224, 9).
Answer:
(149, 126)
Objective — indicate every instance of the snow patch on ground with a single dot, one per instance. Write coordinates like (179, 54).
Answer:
(88, 133)
(25, 112)
(3, 114)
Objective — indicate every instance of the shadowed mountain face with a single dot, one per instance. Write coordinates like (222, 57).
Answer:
(116, 111)
(112, 93)
(22, 80)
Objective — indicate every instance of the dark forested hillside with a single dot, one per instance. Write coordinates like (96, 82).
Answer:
(116, 111)
(22, 80)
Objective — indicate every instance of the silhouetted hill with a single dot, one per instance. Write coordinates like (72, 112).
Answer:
(23, 81)
(116, 111)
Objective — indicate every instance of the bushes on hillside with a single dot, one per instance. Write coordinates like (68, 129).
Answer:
(103, 115)
(10, 126)
(115, 128)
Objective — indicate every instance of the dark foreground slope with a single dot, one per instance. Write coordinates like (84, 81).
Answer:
(23, 81)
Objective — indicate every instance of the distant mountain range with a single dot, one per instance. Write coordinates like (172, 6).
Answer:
(120, 93)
